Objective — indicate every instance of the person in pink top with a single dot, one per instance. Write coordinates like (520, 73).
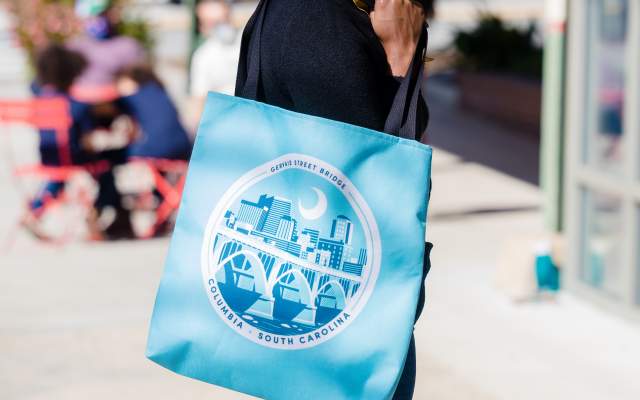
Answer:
(105, 51)
(106, 54)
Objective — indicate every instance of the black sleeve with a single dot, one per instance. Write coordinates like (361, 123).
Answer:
(333, 65)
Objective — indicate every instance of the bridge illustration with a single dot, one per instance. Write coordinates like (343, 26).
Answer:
(275, 290)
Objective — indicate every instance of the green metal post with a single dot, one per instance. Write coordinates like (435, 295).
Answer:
(552, 137)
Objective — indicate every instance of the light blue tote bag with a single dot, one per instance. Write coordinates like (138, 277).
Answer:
(296, 263)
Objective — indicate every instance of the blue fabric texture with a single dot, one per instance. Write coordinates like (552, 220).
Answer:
(296, 264)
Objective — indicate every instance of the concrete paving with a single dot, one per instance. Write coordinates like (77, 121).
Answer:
(73, 319)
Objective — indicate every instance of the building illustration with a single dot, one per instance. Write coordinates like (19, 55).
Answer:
(281, 276)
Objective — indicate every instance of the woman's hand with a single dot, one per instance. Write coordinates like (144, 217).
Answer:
(398, 24)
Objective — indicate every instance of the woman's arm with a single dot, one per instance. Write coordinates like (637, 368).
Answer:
(398, 24)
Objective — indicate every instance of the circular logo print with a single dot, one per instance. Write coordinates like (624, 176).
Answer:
(291, 253)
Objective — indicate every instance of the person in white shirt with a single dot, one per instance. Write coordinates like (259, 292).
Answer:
(214, 64)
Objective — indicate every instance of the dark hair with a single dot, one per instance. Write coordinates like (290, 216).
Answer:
(59, 67)
(141, 74)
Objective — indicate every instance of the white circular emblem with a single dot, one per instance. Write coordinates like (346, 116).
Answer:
(291, 253)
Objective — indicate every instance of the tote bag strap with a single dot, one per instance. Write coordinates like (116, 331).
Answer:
(406, 117)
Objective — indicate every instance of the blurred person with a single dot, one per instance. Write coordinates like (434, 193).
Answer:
(106, 53)
(57, 68)
(214, 63)
(143, 97)
(105, 50)
(342, 60)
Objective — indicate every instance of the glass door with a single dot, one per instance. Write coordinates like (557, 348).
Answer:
(602, 151)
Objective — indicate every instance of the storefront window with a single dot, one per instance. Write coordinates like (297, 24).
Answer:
(602, 242)
(636, 254)
(606, 84)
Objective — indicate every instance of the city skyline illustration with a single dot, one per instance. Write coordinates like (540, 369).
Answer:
(283, 273)
(271, 218)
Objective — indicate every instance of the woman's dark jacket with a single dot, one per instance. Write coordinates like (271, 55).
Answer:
(322, 58)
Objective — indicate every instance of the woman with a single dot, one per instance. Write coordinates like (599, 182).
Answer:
(342, 60)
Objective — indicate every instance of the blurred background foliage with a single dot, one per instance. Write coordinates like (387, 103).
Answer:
(493, 46)
(40, 22)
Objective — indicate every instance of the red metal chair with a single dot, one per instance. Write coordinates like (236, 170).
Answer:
(53, 113)
(42, 113)
(95, 94)
(170, 190)
(50, 114)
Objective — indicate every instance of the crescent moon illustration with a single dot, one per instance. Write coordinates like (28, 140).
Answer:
(317, 211)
